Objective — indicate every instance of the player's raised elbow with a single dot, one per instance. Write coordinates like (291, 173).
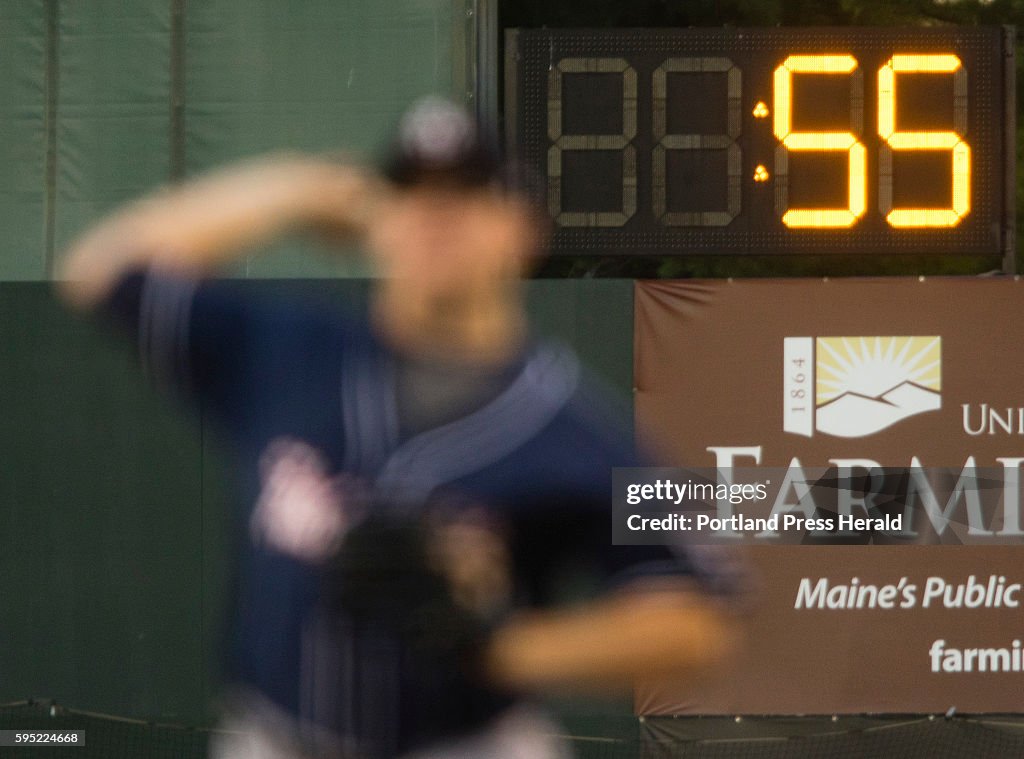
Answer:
(80, 294)
(90, 267)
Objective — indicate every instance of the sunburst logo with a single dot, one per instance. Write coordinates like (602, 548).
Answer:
(857, 386)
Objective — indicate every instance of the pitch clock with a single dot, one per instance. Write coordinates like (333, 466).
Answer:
(854, 140)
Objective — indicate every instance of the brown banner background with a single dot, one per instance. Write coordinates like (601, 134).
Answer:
(709, 372)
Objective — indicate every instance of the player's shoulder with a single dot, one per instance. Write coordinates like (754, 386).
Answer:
(271, 312)
(284, 303)
(291, 301)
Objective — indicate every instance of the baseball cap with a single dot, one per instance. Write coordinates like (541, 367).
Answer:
(438, 141)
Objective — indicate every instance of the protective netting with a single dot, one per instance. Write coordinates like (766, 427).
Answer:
(854, 737)
(111, 737)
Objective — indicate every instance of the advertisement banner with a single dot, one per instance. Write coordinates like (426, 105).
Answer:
(795, 378)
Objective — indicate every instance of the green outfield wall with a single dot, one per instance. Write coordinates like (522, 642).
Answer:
(103, 100)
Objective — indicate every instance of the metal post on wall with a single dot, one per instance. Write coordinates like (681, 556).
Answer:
(51, 18)
(1010, 139)
(475, 58)
(487, 58)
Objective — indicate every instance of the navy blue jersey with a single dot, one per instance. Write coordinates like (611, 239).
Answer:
(306, 396)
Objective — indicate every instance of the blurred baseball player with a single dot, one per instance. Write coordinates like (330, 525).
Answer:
(419, 484)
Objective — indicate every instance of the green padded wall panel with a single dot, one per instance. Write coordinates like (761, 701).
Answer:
(23, 194)
(104, 100)
(112, 107)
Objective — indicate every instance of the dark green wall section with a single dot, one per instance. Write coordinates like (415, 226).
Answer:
(101, 520)
(113, 540)
(596, 317)
(103, 100)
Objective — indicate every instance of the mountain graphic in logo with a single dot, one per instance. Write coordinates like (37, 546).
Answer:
(859, 385)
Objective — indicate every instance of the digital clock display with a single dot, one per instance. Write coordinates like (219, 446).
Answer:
(688, 141)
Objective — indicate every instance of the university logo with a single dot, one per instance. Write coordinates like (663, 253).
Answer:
(857, 386)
